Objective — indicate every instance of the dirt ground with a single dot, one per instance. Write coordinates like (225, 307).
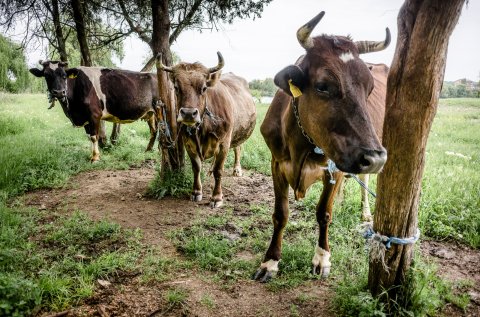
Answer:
(119, 196)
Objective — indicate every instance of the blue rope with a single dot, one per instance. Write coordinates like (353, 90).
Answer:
(370, 234)
(331, 167)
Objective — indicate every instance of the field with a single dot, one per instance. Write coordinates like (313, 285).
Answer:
(89, 239)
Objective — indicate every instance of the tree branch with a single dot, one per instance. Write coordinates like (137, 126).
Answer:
(137, 29)
(185, 22)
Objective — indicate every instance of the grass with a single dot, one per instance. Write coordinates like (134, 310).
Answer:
(41, 149)
(449, 209)
(50, 262)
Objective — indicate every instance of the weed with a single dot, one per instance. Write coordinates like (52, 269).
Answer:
(171, 183)
(55, 266)
(208, 301)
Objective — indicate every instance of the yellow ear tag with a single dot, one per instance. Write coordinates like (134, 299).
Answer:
(296, 92)
(72, 76)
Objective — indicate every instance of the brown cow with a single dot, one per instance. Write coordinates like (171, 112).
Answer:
(215, 114)
(321, 115)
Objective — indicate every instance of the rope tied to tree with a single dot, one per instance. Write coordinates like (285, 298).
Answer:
(379, 243)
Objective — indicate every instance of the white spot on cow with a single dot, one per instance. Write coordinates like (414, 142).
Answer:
(345, 57)
(270, 265)
(93, 74)
(95, 151)
(53, 66)
(321, 258)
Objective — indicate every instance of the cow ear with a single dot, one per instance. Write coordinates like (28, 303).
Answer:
(36, 72)
(291, 79)
(72, 72)
(213, 78)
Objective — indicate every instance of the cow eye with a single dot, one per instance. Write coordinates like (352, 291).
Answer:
(322, 88)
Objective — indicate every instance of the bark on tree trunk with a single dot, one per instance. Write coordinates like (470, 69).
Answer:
(172, 158)
(58, 32)
(78, 15)
(414, 84)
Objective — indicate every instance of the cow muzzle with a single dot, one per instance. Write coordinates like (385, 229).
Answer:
(371, 161)
(362, 161)
(189, 116)
(59, 94)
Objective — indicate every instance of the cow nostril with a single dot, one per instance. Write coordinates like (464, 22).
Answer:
(365, 161)
(195, 112)
(182, 112)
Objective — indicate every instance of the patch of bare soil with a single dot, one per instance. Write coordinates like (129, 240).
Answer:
(119, 196)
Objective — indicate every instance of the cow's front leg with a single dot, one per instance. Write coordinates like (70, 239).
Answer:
(269, 266)
(321, 259)
(237, 169)
(366, 214)
(92, 133)
(152, 124)
(219, 161)
(197, 182)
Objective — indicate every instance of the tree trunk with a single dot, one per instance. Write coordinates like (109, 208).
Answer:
(172, 158)
(414, 84)
(58, 32)
(78, 15)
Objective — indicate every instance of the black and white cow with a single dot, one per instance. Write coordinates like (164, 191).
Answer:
(91, 94)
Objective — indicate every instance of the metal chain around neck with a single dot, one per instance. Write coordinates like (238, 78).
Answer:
(297, 116)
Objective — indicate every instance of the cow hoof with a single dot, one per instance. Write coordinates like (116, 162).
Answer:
(321, 262)
(237, 172)
(94, 160)
(322, 271)
(196, 197)
(216, 204)
(263, 275)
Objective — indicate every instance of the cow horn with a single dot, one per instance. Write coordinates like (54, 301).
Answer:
(161, 66)
(220, 65)
(303, 33)
(373, 46)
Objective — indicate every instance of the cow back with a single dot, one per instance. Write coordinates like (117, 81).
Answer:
(240, 105)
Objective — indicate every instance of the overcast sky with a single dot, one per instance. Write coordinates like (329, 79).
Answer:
(256, 49)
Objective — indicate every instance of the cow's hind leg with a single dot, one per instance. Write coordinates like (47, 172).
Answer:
(102, 134)
(321, 259)
(366, 214)
(115, 133)
(237, 169)
(152, 124)
(269, 266)
(219, 161)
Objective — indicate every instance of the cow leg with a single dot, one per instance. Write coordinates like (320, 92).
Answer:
(237, 169)
(115, 133)
(93, 134)
(219, 161)
(197, 182)
(321, 259)
(152, 124)
(366, 214)
(102, 134)
(269, 266)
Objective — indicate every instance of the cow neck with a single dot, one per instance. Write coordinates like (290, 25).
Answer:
(331, 167)
(193, 131)
(317, 149)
